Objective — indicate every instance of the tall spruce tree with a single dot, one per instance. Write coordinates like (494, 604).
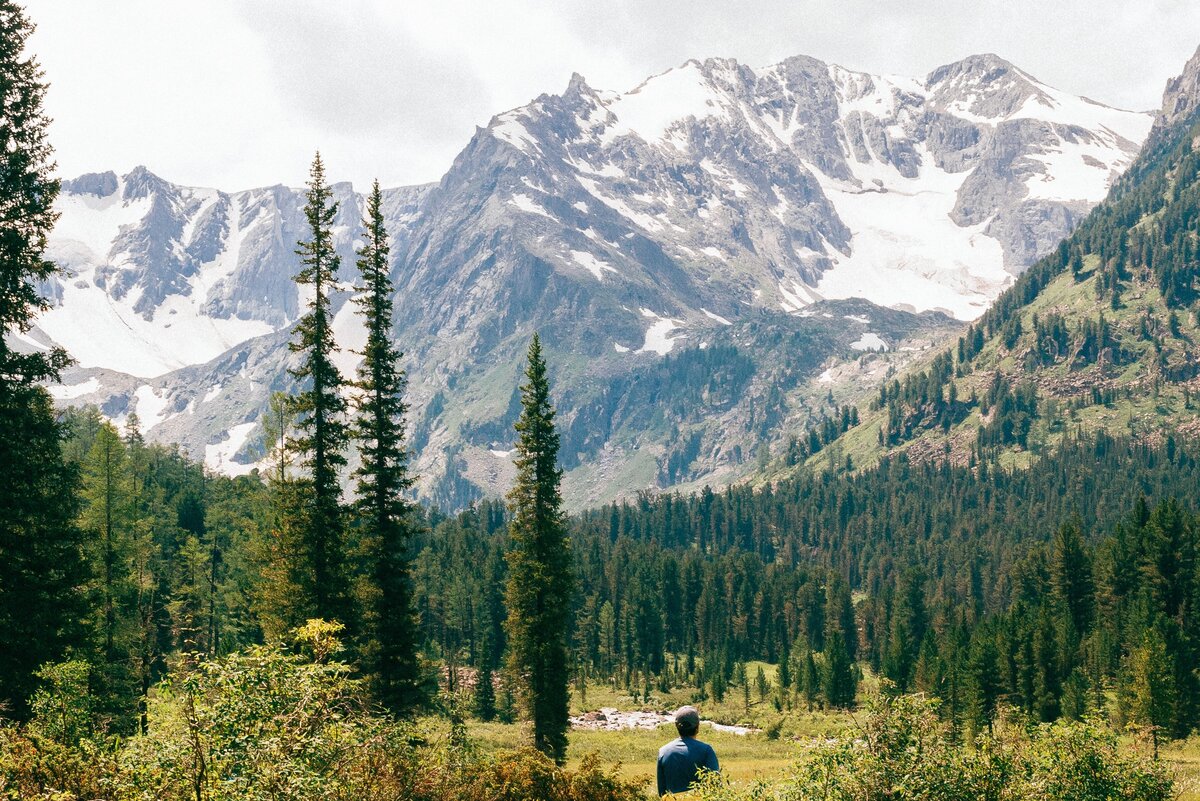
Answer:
(321, 409)
(41, 564)
(541, 581)
(278, 551)
(385, 514)
(838, 679)
(108, 518)
(27, 193)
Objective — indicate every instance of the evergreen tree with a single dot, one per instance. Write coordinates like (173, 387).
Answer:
(784, 676)
(761, 686)
(27, 193)
(279, 598)
(108, 519)
(324, 432)
(1151, 689)
(41, 565)
(983, 684)
(1073, 587)
(484, 702)
(810, 680)
(718, 686)
(541, 582)
(838, 679)
(386, 516)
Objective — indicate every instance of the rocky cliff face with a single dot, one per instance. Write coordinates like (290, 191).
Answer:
(1181, 98)
(710, 222)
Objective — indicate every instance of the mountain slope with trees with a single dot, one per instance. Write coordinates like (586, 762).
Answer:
(1102, 334)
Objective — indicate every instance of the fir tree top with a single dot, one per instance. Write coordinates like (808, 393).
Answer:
(27, 193)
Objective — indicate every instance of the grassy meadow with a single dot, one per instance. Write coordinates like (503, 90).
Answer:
(763, 755)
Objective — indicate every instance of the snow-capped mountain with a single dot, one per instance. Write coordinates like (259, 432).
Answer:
(815, 181)
(708, 205)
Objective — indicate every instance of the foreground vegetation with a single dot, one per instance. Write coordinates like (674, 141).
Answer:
(289, 723)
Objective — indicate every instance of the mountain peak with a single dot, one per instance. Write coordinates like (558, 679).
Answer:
(100, 184)
(1181, 98)
(980, 69)
(140, 182)
(986, 88)
(577, 83)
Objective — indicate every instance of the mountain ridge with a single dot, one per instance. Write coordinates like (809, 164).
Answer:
(1100, 335)
(624, 232)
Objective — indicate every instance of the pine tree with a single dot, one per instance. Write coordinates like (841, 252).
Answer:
(1072, 576)
(784, 677)
(1151, 687)
(27, 193)
(484, 702)
(761, 686)
(838, 679)
(541, 582)
(324, 432)
(383, 480)
(810, 680)
(907, 631)
(280, 600)
(108, 518)
(41, 565)
(983, 685)
(718, 686)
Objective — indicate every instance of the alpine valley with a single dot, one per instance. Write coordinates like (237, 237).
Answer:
(723, 255)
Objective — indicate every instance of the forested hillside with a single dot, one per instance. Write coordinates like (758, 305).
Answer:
(1035, 586)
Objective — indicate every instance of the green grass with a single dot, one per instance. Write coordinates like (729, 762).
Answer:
(742, 758)
(754, 756)
(1184, 759)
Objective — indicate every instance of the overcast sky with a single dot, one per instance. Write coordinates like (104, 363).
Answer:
(235, 93)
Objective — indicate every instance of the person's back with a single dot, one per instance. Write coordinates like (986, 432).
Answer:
(680, 761)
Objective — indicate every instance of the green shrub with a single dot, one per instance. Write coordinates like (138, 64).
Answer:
(903, 752)
(274, 724)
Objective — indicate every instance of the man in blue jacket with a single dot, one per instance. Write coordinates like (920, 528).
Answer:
(679, 761)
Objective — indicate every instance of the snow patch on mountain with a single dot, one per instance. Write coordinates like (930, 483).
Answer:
(219, 456)
(526, 203)
(150, 407)
(95, 222)
(659, 337)
(869, 341)
(652, 109)
(510, 129)
(72, 391)
(718, 318)
(100, 331)
(907, 252)
(592, 264)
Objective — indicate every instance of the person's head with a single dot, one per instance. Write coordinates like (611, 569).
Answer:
(687, 721)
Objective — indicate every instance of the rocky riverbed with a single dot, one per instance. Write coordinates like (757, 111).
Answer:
(611, 719)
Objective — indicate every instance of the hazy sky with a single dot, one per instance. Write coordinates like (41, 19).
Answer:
(234, 93)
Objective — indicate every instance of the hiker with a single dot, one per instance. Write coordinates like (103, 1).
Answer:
(679, 761)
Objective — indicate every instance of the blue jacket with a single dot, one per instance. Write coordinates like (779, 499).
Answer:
(680, 760)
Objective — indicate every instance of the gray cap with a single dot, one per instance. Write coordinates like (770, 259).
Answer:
(688, 716)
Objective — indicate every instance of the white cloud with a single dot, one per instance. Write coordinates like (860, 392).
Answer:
(234, 93)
